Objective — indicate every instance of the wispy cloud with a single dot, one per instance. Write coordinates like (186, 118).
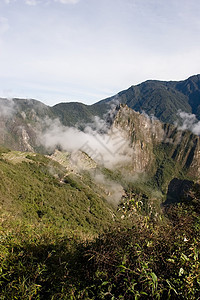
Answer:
(189, 122)
(31, 2)
(9, 1)
(106, 145)
(67, 1)
(7, 108)
(35, 2)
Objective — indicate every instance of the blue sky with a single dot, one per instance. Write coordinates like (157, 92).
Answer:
(87, 50)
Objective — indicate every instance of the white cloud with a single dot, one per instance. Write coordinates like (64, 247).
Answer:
(189, 122)
(107, 146)
(31, 2)
(7, 108)
(35, 2)
(108, 149)
(67, 1)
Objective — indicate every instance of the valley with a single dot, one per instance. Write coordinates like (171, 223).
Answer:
(102, 201)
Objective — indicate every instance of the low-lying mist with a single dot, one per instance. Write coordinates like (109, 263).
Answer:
(106, 145)
(188, 122)
(7, 108)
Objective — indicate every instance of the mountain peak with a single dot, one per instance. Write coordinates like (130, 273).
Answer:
(163, 99)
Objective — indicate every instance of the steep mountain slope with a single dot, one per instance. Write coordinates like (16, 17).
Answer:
(159, 151)
(62, 239)
(163, 99)
(191, 88)
(40, 191)
(75, 113)
(155, 148)
(20, 119)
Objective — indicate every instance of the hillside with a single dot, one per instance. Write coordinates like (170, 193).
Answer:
(104, 210)
(61, 239)
(156, 149)
(72, 227)
(154, 143)
(157, 158)
(163, 99)
(22, 119)
(38, 190)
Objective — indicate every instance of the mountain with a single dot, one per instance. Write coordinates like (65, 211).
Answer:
(160, 154)
(159, 98)
(155, 147)
(162, 99)
(76, 227)
(39, 190)
(75, 113)
(21, 120)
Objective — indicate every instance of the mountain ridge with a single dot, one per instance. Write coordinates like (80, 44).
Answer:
(163, 99)
(75, 227)
(25, 129)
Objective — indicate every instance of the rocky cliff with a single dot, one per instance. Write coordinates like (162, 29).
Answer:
(157, 147)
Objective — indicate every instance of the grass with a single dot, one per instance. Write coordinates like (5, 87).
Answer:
(59, 240)
(144, 261)
(32, 190)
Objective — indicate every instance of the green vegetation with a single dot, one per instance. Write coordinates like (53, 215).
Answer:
(163, 99)
(59, 238)
(147, 260)
(74, 113)
(165, 167)
(37, 190)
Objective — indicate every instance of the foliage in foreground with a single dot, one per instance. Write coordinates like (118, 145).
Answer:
(146, 261)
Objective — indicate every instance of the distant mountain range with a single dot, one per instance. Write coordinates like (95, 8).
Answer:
(163, 99)
(135, 142)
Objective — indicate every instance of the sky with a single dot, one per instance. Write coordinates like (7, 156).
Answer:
(86, 50)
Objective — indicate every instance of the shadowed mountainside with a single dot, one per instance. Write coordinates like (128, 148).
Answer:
(63, 237)
(163, 99)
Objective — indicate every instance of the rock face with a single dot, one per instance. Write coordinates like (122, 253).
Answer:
(142, 132)
(149, 139)
(20, 122)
